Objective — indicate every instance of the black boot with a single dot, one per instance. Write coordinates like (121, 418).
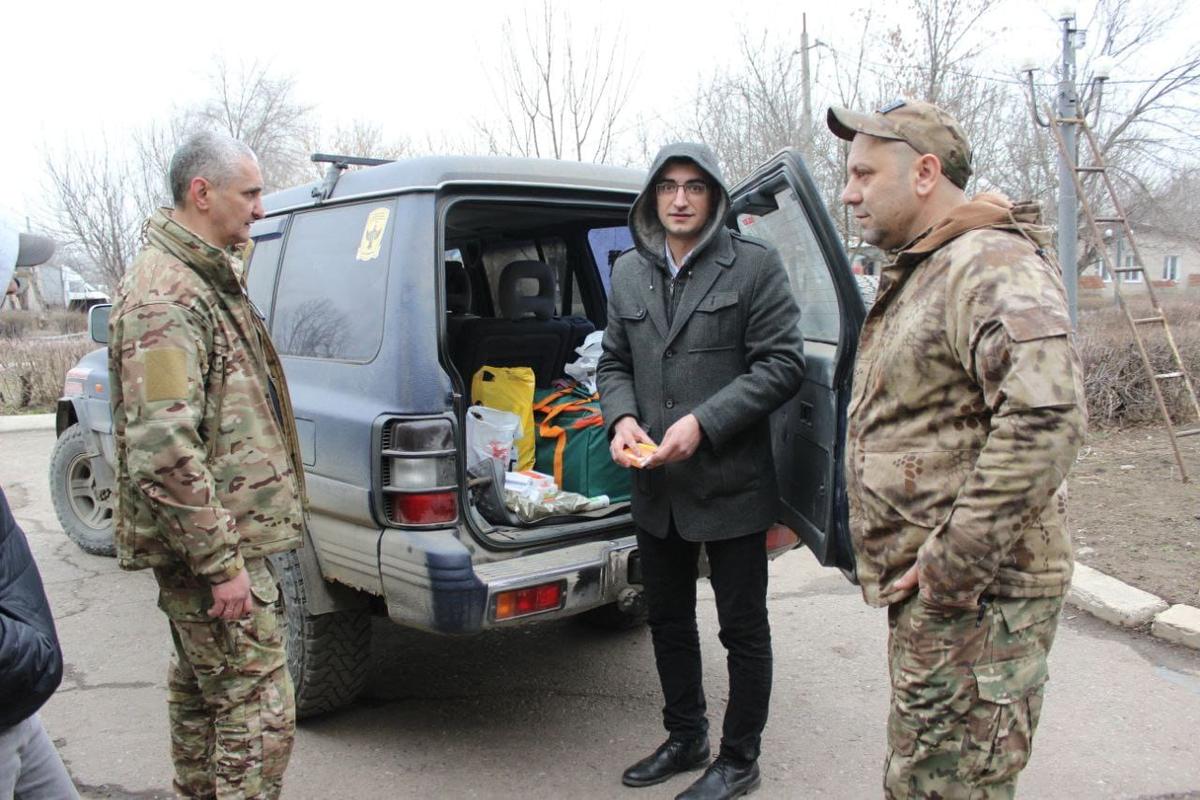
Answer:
(725, 779)
(672, 757)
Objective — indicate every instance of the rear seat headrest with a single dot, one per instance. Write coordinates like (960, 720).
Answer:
(513, 303)
(458, 288)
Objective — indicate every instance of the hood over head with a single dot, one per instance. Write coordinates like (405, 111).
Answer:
(648, 233)
(987, 210)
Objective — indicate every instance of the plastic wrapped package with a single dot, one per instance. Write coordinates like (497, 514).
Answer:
(528, 509)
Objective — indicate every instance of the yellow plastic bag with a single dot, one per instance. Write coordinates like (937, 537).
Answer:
(509, 389)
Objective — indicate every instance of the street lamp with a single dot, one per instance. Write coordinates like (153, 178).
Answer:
(1068, 119)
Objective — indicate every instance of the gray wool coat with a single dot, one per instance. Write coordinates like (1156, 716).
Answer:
(731, 355)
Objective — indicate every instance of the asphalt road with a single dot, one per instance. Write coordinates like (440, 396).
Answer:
(558, 710)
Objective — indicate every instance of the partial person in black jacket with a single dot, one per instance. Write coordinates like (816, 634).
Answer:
(31, 668)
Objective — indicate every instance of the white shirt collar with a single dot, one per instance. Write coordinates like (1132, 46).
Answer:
(671, 265)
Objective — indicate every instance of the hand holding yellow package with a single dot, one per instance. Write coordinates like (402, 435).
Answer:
(640, 453)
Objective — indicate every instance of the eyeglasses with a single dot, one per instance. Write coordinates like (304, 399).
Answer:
(671, 188)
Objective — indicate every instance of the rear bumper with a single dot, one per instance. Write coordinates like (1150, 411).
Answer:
(430, 582)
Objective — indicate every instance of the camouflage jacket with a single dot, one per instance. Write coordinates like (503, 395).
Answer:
(208, 464)
(966, 415)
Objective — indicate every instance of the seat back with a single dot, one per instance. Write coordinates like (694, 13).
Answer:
(526, 335)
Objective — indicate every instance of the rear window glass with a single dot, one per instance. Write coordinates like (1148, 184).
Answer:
(551, 250)
(607, 244)
(787, 227)
(330, 301)
(260, 272)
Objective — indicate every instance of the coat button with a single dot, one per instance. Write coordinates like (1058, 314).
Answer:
(669, 354)
(670, 403)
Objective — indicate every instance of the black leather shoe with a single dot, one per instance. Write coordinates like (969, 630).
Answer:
(724, 780)
(671, 758)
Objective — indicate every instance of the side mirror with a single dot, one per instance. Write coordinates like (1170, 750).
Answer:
(98, 322)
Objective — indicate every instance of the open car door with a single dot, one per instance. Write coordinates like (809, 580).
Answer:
(779, 203)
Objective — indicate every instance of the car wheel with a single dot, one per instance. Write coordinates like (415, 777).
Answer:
(82, 500)
(328, 654)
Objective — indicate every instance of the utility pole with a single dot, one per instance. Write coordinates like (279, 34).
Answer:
(806, 115)
(1068, 203)
(1068, 115)
(806, 85)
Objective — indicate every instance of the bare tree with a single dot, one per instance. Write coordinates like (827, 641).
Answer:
(100, 199)
(749, 114)
(358, 138)
(98, 211)
(1146, 122)
(556, 99)
(260, 108)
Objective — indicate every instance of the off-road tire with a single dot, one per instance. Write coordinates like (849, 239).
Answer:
(328, 654)
(84, 506)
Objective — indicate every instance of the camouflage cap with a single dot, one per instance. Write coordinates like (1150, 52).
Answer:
(925, 127)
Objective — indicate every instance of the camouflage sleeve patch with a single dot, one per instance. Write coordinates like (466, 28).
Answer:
(166, 375)
(1009, 325)
(1036, 322)
(1039, 372)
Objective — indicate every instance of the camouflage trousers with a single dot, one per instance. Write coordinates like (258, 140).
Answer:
(967, 688)
(230, 700)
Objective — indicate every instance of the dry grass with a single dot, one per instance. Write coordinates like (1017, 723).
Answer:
(30, 324)
(32, 372)
(1118, 392)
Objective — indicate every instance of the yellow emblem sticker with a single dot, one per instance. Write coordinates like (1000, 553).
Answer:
(372, 238)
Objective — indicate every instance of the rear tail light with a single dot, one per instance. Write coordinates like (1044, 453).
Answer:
(419, 469)
(523, 602)
(74, 382)
(424, 509)
(781, 538)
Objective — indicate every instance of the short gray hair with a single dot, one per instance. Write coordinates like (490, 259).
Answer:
(209, 155)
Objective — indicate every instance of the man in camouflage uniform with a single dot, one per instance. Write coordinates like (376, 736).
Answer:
(208, 473)
(966, 415)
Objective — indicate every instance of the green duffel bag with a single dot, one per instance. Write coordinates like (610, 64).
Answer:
(572, 444)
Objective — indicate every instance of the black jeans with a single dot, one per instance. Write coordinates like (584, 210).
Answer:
(739, 579)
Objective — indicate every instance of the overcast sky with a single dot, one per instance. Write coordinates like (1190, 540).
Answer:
(90, 73)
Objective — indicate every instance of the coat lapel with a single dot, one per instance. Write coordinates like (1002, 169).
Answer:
(704, 274)
(653, 278)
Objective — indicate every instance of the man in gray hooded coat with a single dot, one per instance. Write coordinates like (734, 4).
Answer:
(703, 343)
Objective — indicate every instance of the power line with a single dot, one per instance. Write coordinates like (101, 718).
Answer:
(999, 78)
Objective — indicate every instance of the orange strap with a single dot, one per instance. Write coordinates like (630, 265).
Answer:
(548, 431)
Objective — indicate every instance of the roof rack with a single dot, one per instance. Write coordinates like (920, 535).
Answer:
(338, 165)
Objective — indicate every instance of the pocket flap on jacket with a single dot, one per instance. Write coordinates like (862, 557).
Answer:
(1021, 613)
(635, 313)
(1005, 682)
(715, 301)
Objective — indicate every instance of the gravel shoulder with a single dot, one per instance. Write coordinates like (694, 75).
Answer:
(1131, 516)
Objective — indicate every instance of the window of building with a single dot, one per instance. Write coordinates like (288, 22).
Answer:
(1170, 268)
(1131, 277)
